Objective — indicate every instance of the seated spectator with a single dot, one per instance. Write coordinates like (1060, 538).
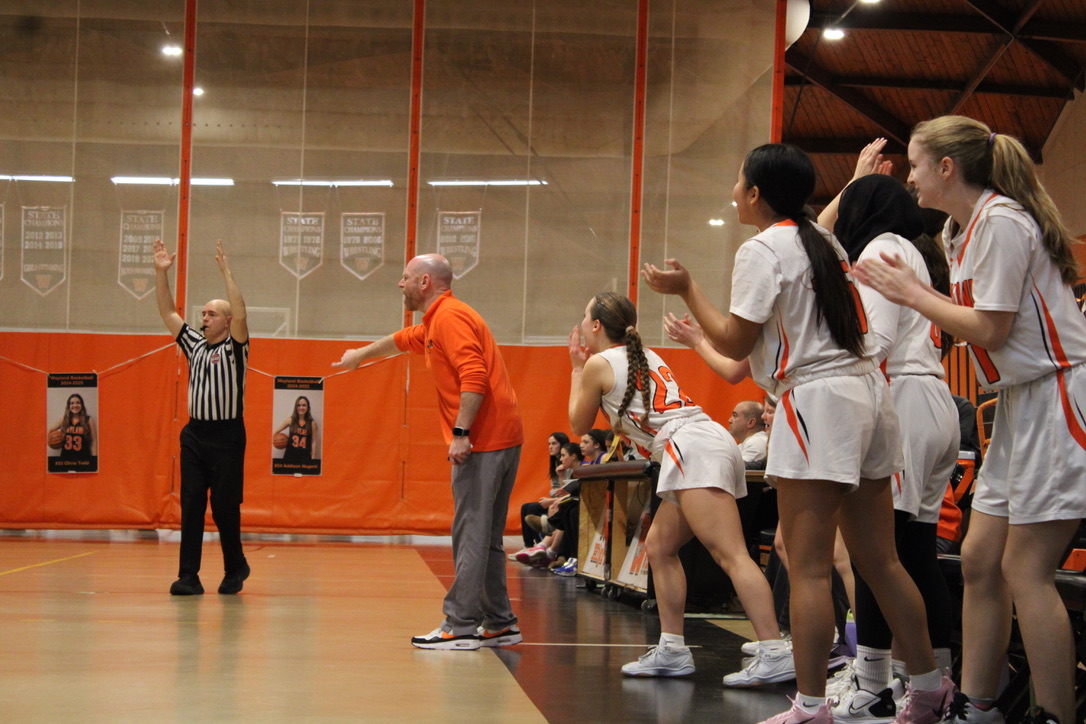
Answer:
(531, 538)
(747, 428)
(552, 551)
(594, 446)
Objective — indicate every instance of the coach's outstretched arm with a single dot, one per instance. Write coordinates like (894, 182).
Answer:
(353, 357)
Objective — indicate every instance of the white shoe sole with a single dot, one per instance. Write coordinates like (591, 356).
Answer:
(646, 673)
(454, 645)
(507, 640)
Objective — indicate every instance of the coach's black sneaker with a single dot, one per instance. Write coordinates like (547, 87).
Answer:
(232, 582)
(187, 586)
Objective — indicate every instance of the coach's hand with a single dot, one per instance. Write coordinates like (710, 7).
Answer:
(459, 450)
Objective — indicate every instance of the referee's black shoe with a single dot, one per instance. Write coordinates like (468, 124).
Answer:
(232, 582)
(187, 585)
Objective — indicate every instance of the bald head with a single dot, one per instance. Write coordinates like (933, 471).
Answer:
(425, 278)
(746, 420)
(437, 267)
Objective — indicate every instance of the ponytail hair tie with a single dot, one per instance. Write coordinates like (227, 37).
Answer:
(991, 139)
(630, 330)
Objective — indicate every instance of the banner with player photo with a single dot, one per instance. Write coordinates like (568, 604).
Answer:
(362, 242)
(298, 409)
(45, 232)
(136, 261)
(301, 242)
(458, 239)
(71, 438)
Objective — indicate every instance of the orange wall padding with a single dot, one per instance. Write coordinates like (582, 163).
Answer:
(384, 466)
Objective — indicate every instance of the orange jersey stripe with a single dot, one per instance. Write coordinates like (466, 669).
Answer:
(1073, 424)
(674, 456)
(1053, 335)
(793, 422)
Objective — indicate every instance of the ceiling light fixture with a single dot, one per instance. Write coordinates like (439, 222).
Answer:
(833, 33)
(716, 222)
(167, 181)
(32, 177)
(492, 182)
(332, 183)
(197, 91)
(172, 50)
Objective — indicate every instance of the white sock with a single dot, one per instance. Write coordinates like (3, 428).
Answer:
(772, 645)
(810, 704)
(943, 659)
(873, 668)
(927, 682)
(672, 641)
(901, 670)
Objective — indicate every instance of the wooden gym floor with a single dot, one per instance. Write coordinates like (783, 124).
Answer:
(89, 633)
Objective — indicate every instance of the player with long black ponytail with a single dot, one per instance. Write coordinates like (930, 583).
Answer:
(796, 314)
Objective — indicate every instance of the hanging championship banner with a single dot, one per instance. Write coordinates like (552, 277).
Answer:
(458, 239)
(361, 242)
(45, 231)
(301, 242)
(72, 412)
(298, 408)
(136, 261)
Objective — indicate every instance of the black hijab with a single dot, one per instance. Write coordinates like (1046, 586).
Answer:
(873, 205)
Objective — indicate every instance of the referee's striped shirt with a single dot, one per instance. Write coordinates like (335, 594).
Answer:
(216, 375)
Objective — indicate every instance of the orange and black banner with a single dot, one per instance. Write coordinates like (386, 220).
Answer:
(71, 435)
(298, 433)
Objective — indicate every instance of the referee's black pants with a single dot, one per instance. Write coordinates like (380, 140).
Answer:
(212, 459)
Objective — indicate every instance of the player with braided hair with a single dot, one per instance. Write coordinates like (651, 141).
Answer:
(701, 475)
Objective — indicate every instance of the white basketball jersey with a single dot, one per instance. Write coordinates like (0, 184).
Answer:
(668, 401)
(771, 286)
(904, 338)
(998, 263)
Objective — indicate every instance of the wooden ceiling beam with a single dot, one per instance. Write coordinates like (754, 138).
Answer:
(1013, 26)
(901, 22)
(929, 22)
(894, 127)
(843, 146)
(927, 84)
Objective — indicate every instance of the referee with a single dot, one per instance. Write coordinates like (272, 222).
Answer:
(213, 441)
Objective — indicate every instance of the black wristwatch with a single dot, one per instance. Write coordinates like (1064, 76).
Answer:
(460, 432)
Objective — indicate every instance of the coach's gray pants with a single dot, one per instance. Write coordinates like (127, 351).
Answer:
(481, 487)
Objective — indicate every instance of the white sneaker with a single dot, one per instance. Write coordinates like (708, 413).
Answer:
(439, 638)
(662, 661)
(861, 706)
(751, 647)
(501, 637)
(839, 685)
(767, 667)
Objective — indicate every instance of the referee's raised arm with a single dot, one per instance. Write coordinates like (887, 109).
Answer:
(239, 327)
(166, 306)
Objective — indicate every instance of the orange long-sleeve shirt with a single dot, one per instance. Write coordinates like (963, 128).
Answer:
(463, 356)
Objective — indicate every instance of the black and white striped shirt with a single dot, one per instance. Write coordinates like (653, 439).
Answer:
(216, 375)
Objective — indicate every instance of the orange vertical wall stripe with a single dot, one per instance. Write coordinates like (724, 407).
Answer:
(776, 122)
(638, 160)
(414, 143)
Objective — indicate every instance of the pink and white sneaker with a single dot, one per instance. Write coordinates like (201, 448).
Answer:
(796, 715)
(927, 707)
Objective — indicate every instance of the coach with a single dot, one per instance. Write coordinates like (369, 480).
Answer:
(481, 424)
